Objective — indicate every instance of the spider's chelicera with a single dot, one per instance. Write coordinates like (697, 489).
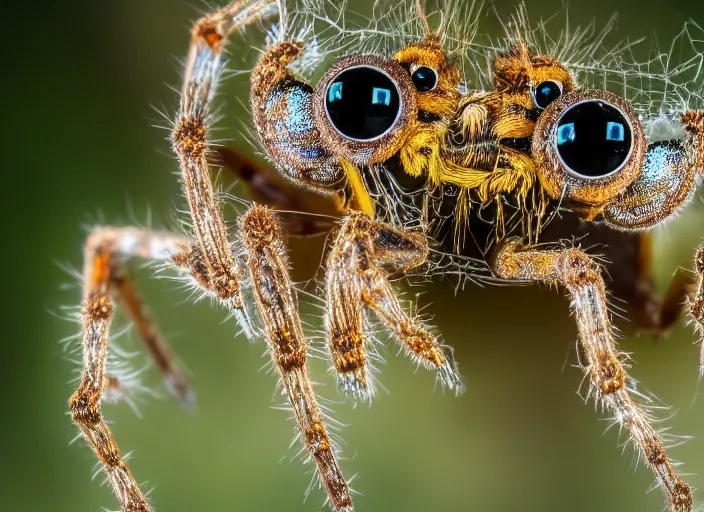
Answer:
(407, 160)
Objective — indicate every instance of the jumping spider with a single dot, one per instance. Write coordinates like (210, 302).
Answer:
(407, 161)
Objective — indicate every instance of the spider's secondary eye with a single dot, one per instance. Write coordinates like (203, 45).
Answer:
(363, 103)
(546, 92)
(593, 139)
(425, 79)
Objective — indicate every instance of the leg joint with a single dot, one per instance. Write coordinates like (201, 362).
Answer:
(85, 408)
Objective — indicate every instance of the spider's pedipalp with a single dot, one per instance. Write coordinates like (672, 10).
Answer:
(604, 363)
(278, 309)
(361, 258)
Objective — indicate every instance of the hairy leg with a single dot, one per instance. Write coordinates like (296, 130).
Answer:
(696, 305)
(212, 257)
(101, 250)
(278, 308)
(361, 258)
(190, 144)
(572, 269)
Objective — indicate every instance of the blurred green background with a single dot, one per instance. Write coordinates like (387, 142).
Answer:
(78, 147)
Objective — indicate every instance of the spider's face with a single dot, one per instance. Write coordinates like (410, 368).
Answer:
(366, 107)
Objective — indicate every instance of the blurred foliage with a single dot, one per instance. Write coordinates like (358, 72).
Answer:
(79, 148)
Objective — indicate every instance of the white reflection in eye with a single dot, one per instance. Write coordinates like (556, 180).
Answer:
(615, 131)
(381, 96)
(566, 133)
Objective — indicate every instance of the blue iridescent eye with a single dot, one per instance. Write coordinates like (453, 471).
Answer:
(593, 138)
(424, 78)
(546, 92)
(363, 103)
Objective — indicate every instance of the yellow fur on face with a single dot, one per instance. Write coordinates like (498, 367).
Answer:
(475, 159)
(443, 99)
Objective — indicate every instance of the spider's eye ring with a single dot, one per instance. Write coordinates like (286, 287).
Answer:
(588, 146)
(362, 107)
(545, 93)
(424, 78)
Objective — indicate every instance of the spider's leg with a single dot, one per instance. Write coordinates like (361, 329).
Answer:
(604, 363)
(694, 124)
(277, 306)
(212, 256)
(696, 304)
(630, 255)
(124, 291)
(655, 314)
(101, 249)
(190, 143)
(362, 256)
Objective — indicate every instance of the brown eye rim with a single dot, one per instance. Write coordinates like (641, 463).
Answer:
(566, 166)
(558, 178)
(376, 149)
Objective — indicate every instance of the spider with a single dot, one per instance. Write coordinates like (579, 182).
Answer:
(406, 161)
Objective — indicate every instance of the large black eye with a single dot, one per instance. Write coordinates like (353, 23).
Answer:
(546, 92)
(362, 103)
(424, 78)
(593, 138)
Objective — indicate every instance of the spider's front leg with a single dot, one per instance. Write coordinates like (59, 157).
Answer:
(103, 275)
(605, 364)
(213, 258)
(362, 256)
(190, 143)
(694, 124)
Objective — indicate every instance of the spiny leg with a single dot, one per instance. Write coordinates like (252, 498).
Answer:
(696, 305)
(190, 143)
(581, 276)
(362, 256)
(101, 248)
(217, 269)
(693, 122)
(277, 306)
(659, 315)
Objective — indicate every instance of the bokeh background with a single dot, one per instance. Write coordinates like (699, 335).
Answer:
(79, 146)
